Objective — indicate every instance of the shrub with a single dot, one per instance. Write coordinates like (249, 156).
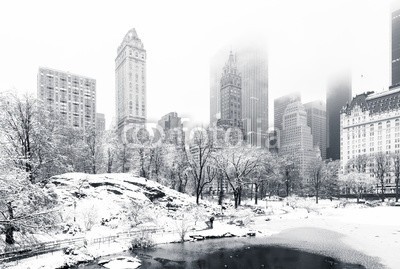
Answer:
(142, 242)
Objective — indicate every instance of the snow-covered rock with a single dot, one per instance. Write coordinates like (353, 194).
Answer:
(106, 200)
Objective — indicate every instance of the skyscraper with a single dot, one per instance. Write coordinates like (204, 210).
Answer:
(296, 138)
(396, 46)
(100, 122)
(338, 95)
(252, 64)
(316, 120)
(71, 96)
(280, 105)
(130, 81)
(231, 95)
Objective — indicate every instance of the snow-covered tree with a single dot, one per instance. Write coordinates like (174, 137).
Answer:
(263, 173)
(381, 169)
(27, 132)
(396, 170)
(237, 164)
(175, 168)
(201, 149)
(289, 171)
(322, 175)
(357, 182)
(24, 207)
(94, 146)
(358, 163)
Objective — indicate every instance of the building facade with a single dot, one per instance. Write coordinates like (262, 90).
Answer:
(370, 124)
(130, 82)
(252, 64)
(316, 120)
(71, 96)
(396, 46)
(173, 129)
(100, 122)
(231, 96)
(280, 105)
(338, 95)
(296, 138)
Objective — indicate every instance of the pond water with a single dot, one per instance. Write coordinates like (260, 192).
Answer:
(233, 253)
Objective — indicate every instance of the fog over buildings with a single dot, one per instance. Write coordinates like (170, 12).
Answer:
(304, 44)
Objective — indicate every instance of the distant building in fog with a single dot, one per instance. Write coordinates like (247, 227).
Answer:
(296, 138)
(71, 96)
(338, 94)
(173, 128)
(252, 64)
(316, 120)
(396, 47)
(100, 122)
(231, 96)
(280, 105)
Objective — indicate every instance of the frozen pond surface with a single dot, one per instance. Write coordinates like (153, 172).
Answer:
(298, 248)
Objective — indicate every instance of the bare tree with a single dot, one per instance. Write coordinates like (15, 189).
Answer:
(317, 175)
(381, 169)
(358, 163)
(263, 172)
(237, 163)
(182, 226)
(94, 143)
(396, 168)
(289, 172)
(199, 158)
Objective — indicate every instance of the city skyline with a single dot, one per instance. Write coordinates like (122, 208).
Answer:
(170, 64)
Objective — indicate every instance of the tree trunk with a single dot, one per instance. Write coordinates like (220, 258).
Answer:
(316, 196)
(236, 198)
(240, 196)
(397, 190)
(221, 192)
(382, 191)
(9, 231)
(256, 194)
(287, 188)
(358, 198)
(9, 228)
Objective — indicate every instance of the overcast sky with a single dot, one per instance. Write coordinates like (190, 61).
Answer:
(307, 40)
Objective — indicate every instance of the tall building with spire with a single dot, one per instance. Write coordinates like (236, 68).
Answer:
(396, 45)
(130, 82)
(231, 95)
(252, 64)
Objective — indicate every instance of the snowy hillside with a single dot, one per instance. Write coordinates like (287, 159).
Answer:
(109, 199)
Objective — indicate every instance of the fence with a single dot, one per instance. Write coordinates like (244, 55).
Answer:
(26, 251)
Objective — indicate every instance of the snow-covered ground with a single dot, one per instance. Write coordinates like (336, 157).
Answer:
(331, 227)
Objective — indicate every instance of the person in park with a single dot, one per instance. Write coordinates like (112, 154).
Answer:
(211, 222)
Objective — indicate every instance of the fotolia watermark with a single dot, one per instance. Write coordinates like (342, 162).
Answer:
(151, 134)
